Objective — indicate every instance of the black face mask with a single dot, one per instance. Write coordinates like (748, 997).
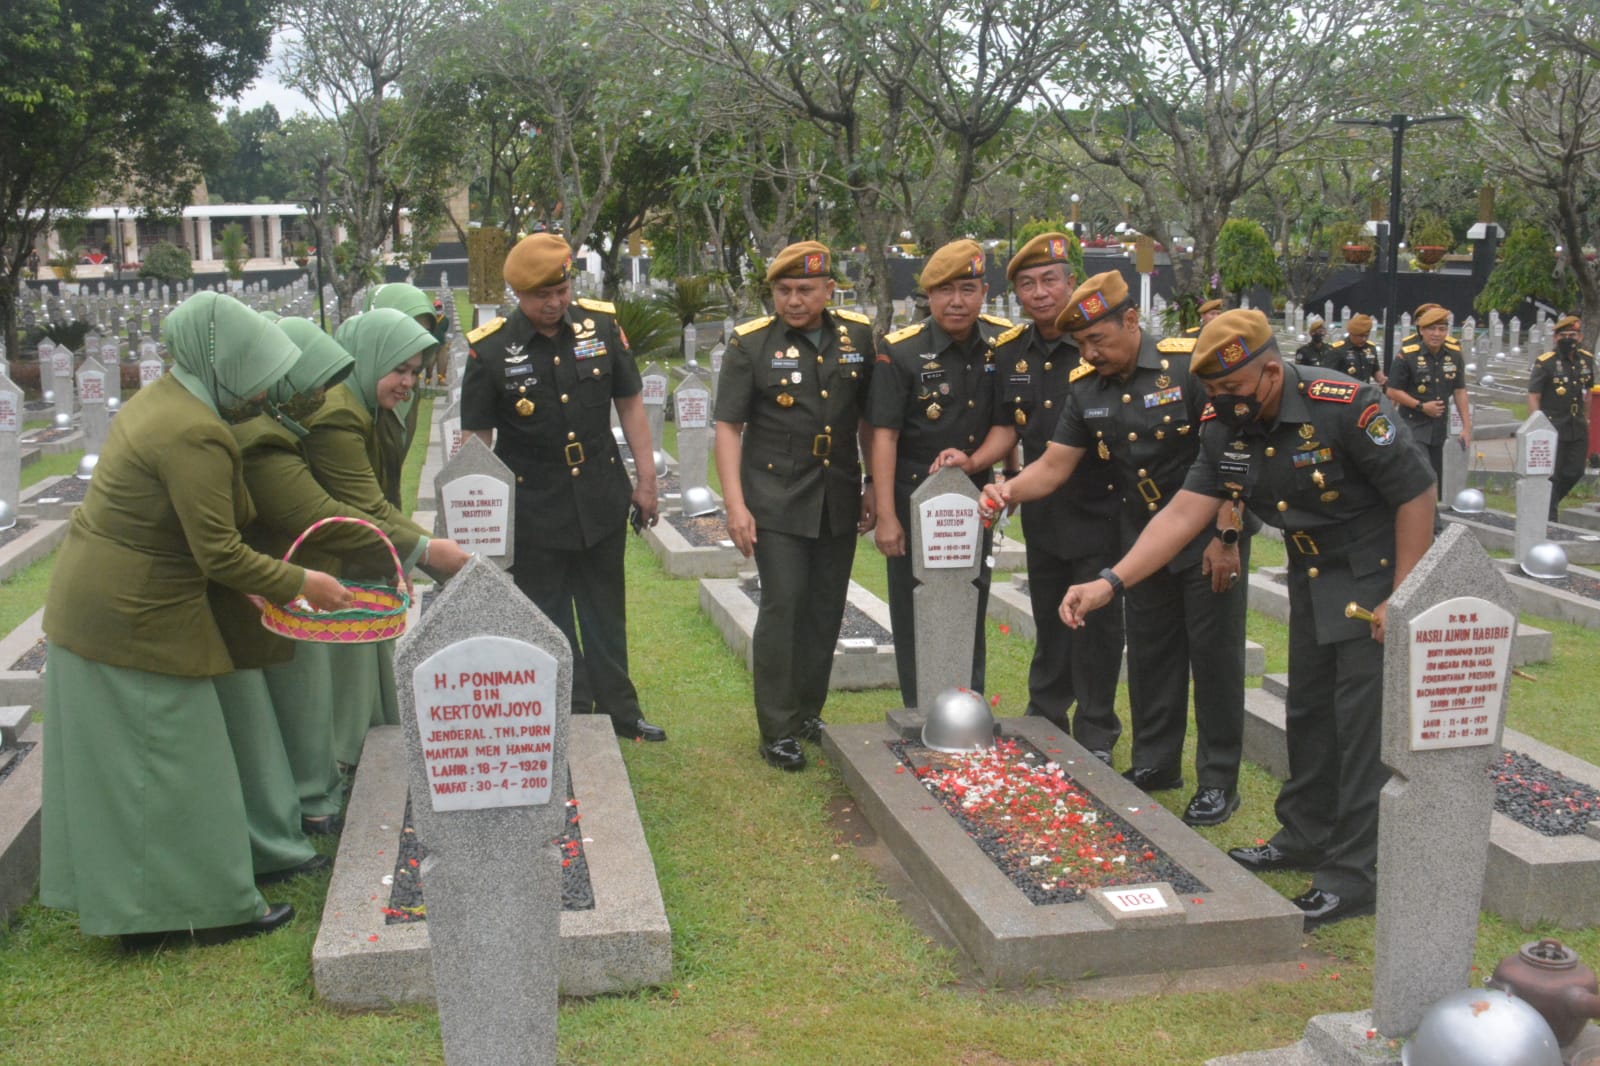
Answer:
(1567, 345)
(1236, 412)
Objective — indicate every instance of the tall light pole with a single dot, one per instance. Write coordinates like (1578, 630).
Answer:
(1075, 231)
(1397, 126)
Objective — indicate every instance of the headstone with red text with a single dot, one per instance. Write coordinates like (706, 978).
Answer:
(10, 448)
(1536, 462)
(450, 432)
(654, 393)
(92, 395)
(62, 365)
(692, 400)
(485, 687)
(947, 555)
(475, 495)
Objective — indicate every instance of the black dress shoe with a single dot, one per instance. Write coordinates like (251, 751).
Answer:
(784, 753)
(1210, 806)
(1154, 778)
(811, 729)
(639, 730)
(1323, 908)
(315, 864)
(277, 916)
(327, 825)
(1268, 857)
(1102, 754)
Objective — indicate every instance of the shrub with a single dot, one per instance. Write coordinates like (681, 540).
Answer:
(167, 262)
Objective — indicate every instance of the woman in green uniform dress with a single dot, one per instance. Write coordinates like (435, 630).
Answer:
(143, 822)
(342, 445)
(396, 432)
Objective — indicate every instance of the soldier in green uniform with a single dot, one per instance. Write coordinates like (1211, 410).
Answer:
(1423, 379)
(788, 413)
(932, 389)
(543, 382)
(143, 826)
(1352, 355)
(397, 429)
(1321, 456)
(1072, 533)
(1559, 386)
(1314, 353)
(1136, 404)
(1208, 310)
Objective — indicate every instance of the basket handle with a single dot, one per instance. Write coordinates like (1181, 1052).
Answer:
(400, 571)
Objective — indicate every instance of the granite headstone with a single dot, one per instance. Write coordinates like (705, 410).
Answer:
(10, 443)
(1536, 462)
(476, 495)
(692, 402)
(654, 395)
(92, 395)
(946, 545)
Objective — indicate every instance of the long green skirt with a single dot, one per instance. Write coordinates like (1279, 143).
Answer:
(364, 694)
(303, 698)
(143, 821)
(271, 803)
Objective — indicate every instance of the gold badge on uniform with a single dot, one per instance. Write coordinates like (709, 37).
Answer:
(1422, 388)
(1330, 495)
(1022, 366)
(785, 400)
(792, 352)
(1561, 390)
(1021, 418)
(1163, 381)
(1102, 451)
(934, 411)
(1317, 479)
(588, 324)
(524, 407)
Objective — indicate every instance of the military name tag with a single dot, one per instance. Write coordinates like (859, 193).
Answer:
(931, 376)
(1020, 379)
(849, 355)
(1163, 397)
(1233, 468)
(521, 371)
(783, 362)
(1097, 412)
(589, 349)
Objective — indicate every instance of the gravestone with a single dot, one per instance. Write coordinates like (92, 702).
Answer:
(692, 402)
(1446, 666)
(476, 495)
(1456, 459)
(61, 369)
(690, 339)
(150, 365)
(450, 432)
(717, 351)
(1514, 332)
(485, 687)
(654, 395)
(1536, 462)
(10, 444)
(1344, 314)
(946, 545)
(111, 359)
(92, 395)
(1327, 311)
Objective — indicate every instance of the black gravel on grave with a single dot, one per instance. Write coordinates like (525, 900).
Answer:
(22, 750)
(1573, 582)
(1496, 520)
(577, 894)
(33, 658)
(1542, 799)
(1015, 867)
(45, 436)
(67, 490)
(666, 483)
(37, 405)
(9, 535)
(856, 624)
(708, 531)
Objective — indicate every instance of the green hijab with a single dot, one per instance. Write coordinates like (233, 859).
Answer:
(413, 301)
(223, 352)
(323, 364)
(379, 341)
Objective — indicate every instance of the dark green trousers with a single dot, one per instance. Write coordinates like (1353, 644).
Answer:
(804, 585)
(1074, 667)
(903, 616)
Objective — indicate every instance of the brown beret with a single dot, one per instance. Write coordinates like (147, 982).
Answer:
(806, 259)
(536, 261)
(1098, 298)
(1421, 310)
(1432, 317)
(1230, 341)
(1211, 305)
(1566, 322)
(1359, 324)
(956, 260)
(1315, 324)
(1043, 250)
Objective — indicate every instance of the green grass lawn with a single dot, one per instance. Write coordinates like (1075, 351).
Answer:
(786, 947)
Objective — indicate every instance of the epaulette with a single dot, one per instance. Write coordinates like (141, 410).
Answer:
(1192, 331)
(1546, 355)
(597, 305)
(1585, 351)
(908, 331)
(1011, 334)
(484, 330)
(1337, 344)
(996, 320)
(1178, 345)
(1409, 348)
(1333, 391)
(1079, 371)
(1453, 344)
(853, 316)
(747, 328)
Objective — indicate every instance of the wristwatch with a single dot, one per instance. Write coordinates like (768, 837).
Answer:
(1229, 537)
(1109, 576)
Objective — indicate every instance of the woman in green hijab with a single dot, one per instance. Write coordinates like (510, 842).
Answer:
(396, 433)
(342, 446)
(143, 821)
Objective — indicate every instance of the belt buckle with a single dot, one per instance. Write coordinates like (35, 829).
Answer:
(1148, 490)
(1304, 543)
(568, 452)
(822, 445)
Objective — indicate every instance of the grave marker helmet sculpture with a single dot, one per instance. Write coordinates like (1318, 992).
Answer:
(1482, 1027)
(958, 721)
(8, 517)
(63, 420)
(1545, 560)
(660, 458)
(86, 466)
(1469, 501)
(698, 502)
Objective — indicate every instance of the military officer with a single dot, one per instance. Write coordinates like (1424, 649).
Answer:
(543, 381)
(932, 389)
(1138, 406)
(1559, 386)
(1208, 310)
(789, 403)
(1353, 355)
(1072, 533)
(1321, 456)
(1314, 353)
(1428, 374)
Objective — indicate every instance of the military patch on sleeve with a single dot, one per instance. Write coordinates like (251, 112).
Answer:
(853, 316)
(996, 320)
(484, 330)
(1381, 431)
(1010, 335)
(1176, 345)
(1207, 413)
(905, 332)
(597, 305)
(1366, 416)
(1333, 391)
(1079, 371)
(747, 328)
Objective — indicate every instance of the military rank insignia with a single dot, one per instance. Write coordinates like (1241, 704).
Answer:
(1332, 391)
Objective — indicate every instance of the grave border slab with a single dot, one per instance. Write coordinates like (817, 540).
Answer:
(21, 795)
(734, 613)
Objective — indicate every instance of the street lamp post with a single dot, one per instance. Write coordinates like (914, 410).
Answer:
(116, 222)
(1075, 231)
(1397, 126)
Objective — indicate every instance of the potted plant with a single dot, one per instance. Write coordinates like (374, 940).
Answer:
(64, 266)
(234, 250)
(300, 252)
(1431, 238)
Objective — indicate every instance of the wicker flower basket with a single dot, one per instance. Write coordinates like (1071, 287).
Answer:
(379, 614)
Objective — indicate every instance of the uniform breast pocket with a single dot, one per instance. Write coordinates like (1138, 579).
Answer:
(1312, 481)
(594, 382)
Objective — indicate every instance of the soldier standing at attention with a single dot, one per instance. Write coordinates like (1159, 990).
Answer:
(1133, 404)
(1353, 355)
(1208, 310)
(1559, 386)
(1319, 456)
(1314, 353)
(1422, 379)
(789, 404)
(1071, 535)
(542, 382)
(932, 389)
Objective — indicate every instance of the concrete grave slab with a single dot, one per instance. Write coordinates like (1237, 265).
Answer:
(1496, 531)
(681, 557)
(21, 792)
(855, 667)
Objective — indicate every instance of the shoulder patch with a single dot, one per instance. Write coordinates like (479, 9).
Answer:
(906, 332)
(1207, 413)
(1409, 348)
(744, 329)
(1367, 416)
(1010, 335)
(996, 320)
(1545, 356)
(853, 316)
(1079, 371)
(596, 305)
(484, 330)
(1178, 345)
(1332, 391)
